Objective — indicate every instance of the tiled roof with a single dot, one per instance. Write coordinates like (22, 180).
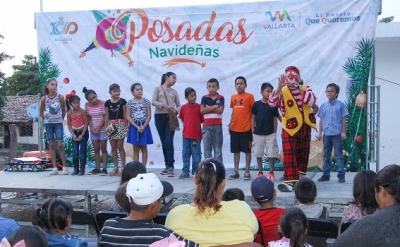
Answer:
(15, 108)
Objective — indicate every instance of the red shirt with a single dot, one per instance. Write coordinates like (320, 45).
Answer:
(192, 119)
(269, 219)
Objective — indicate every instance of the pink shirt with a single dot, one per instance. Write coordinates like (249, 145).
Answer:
(96, 114)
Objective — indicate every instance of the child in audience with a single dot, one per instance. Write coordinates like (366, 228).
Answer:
(264, 120)
(191, 118)
(306, 192)
(7, 226)
(240, 127)
(233, 194)
(263, 192)
(293, 226)
(212, 106)
(26, 236)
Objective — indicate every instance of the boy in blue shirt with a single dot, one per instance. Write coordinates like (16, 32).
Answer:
(332, 124)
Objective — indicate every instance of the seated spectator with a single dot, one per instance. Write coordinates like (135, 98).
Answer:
(121, 199)
(26, 236)
(145, 193)
(364, 202)
(208, 220)
(306, 192)
(263, 192)
(55, 218)
(131, 170)
(7, 226)
(380, 228)
(233, 194)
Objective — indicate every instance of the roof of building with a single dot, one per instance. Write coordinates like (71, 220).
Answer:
(15, 108)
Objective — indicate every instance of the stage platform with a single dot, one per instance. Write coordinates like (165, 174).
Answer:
(330, 193)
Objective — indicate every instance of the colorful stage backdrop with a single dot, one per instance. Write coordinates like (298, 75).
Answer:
(329, 40)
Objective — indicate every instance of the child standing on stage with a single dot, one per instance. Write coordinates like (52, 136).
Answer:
(212, 106)
(96, 111)
(138, 114)
(264, 120)
(191, 118)
(115, 117)
(52, 110)
(240, 126)
(78, 121)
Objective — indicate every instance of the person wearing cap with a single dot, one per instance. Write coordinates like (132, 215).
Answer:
(295, 102)
(208, 220)
(263, 192)
(145, 193)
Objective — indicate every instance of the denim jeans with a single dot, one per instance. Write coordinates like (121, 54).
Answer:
(56, 129)
(213, 139)
(336, 143)
(79, 148)
(166, 137)
(190, 147)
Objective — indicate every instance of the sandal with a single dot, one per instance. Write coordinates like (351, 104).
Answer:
(120, 172)
(113, 172)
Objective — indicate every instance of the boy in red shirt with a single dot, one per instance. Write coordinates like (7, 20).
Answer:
(191, 119)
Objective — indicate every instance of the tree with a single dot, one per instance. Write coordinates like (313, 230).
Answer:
(386, 19)
(3, 57)
(25, 79)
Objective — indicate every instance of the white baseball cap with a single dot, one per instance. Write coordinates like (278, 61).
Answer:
(146, 188)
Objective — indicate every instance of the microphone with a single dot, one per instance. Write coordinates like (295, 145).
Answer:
(296, 85)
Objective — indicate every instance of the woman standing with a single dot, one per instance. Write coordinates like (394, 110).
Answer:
(166, 101)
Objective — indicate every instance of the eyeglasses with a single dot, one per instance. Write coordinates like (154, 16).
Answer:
(329, 91)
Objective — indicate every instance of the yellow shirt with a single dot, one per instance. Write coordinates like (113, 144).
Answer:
(234, 223)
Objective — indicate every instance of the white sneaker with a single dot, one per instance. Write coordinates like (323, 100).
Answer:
(54, 171)
(285, 187)
(65, 171)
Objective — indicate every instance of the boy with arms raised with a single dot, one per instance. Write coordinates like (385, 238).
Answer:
(263, 126)
(212, 106)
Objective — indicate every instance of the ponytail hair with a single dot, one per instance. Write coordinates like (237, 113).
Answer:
(45, 90)
(69, 99)
(294, 224)
(164, 77)
(389, 179)
(40, 216)
(88, 92)
(209, 176)
(60, 213)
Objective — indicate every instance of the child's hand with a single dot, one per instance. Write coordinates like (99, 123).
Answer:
(141, 129)
(319, 137)
(343, 136)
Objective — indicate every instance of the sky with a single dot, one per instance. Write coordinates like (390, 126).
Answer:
(17, 19)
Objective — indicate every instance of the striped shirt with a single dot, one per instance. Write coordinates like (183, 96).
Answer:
(96, 114)
(332, 114)
(308, 98)
(212, 118)
(138, 233)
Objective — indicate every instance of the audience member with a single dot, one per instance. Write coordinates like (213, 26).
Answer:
(380, 228)
(145, 193)
(26, 236)
(208, 220)
(306, 192)
(7, 226)
(293, 226)
(233, 194)
(263, 192)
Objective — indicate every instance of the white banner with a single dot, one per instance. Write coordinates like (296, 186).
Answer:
(255, 40)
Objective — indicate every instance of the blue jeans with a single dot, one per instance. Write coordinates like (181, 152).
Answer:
(166, 137)
(190, 147)
(213, 139)
(56, 129)
(79, 148)
(336, 143)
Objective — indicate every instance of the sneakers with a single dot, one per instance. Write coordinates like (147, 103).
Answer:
(65, 171)
(94, 171)
(54, 171)
(234, 175)
(171, 173)
(81, 173)
(260, 174)
(183, 175)
(103, 172)
(285, 187)
(341, 179)
(324, 178)
(164, 172)
(271, 177)
(247, 176)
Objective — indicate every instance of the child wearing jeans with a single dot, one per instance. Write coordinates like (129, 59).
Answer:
(191, 118)
(53, 110)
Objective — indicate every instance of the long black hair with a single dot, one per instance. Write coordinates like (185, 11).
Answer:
(164, 77)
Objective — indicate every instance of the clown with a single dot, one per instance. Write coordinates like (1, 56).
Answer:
(296, 102)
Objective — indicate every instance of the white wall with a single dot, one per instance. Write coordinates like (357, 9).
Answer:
(388, 68)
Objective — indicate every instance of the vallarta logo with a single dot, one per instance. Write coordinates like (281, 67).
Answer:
(61, 27)
(285, 21)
